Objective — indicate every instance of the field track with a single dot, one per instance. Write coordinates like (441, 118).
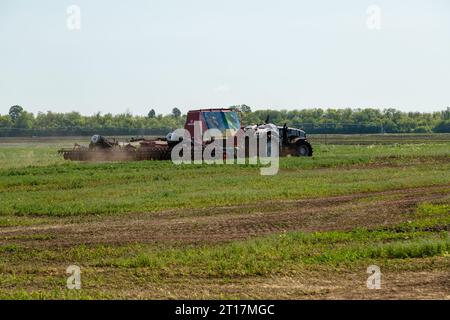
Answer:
(222, 224)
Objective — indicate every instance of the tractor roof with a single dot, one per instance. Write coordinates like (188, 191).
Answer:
(213, 110)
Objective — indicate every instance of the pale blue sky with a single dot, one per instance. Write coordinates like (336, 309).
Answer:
(137, 55)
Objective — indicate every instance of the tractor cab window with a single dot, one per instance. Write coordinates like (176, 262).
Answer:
(222, 120)
(232, 120)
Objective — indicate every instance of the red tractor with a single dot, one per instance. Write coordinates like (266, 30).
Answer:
(292, 141)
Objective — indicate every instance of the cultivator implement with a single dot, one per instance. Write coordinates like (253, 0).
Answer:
(102, 149)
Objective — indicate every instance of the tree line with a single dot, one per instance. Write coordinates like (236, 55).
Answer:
(19, 122)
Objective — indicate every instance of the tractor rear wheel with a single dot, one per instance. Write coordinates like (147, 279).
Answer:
(303, 149)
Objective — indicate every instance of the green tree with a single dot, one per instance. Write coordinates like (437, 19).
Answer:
(5, 121)
(14, 112)
(176, 112)
(242, 108)
(442, 126)
(446, 114)
(152, 114)
(245, 108)
(25, 120)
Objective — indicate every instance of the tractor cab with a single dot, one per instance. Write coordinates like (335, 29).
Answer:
(289, 133)
(225, 120)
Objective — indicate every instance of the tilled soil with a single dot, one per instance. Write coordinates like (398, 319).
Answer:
(222, 224)
(432, 284)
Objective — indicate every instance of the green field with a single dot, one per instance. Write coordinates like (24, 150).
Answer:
(152, 229)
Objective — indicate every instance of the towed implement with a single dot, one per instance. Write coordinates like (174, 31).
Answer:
(103, 149)
(293, 141)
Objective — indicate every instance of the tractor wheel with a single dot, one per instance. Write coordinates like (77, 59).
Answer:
(303, 149)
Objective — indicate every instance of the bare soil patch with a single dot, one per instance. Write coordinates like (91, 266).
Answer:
(215, 225)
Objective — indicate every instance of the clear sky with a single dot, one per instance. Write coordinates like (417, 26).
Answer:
(284, 54)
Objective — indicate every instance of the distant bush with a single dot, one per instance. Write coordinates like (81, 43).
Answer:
(442, 126)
